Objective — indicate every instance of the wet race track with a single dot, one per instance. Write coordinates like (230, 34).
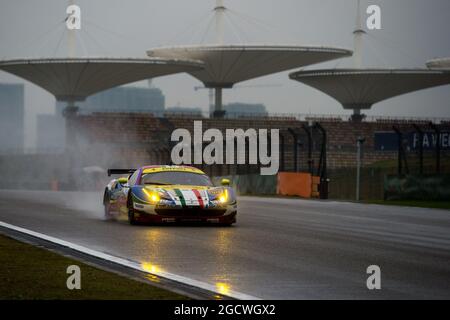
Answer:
(279, 249)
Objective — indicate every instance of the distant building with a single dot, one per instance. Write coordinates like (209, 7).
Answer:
(192, 111)
(12, 117)
(123, 99)
(238, 109)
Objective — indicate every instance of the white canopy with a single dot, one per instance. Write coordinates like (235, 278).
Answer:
(361, 88)
(226, 65)
(74, 79)
(442, 63)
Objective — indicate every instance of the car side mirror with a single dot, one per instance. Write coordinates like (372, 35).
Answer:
(225, 182)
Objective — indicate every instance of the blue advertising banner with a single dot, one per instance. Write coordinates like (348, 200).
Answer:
(388, 141)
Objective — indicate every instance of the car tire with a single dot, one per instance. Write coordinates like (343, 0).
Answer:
(107, 206)
(131, 215)
(107, 214)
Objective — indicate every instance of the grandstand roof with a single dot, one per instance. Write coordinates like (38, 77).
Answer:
(361, 88)
(226, 65)
(442, 63)
(73, 79)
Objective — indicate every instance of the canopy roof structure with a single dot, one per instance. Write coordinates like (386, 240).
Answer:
(442, 63)
(361, 88)
(226, 65)
(74, 79)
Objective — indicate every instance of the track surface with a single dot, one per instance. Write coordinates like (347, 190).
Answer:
(280, 248)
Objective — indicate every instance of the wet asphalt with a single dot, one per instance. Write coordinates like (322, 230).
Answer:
(279, 249)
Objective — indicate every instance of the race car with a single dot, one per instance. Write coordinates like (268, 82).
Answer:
(169, 194)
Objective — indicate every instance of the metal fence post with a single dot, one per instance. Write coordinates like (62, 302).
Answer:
(359, 144)
(438, 147)
(420, 132)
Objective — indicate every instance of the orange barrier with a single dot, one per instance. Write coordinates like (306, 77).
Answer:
(294, 184)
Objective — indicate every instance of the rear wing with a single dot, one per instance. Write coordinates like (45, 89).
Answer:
(120, 171)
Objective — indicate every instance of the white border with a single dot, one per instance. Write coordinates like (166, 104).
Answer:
(128, 263)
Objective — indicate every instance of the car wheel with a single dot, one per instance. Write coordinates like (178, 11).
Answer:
(131, 215)
(107, 211)
(107, 206)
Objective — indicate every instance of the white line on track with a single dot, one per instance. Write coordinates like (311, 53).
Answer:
(130, 264)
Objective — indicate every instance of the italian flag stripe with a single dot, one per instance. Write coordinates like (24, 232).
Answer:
(199, 197)
(180, 195)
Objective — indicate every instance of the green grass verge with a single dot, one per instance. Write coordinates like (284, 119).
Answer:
(414, 203)
(29, 272)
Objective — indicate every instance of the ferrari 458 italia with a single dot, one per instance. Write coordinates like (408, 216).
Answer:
(169, 194)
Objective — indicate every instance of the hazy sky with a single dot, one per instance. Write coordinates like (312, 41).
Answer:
(413, 31)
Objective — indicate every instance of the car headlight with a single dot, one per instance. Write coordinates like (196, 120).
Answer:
(223, 198)
(152, 196)
(220, 195)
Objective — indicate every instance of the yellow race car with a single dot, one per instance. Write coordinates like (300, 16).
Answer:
(169, 194)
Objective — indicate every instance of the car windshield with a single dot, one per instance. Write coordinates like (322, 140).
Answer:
(176, 177)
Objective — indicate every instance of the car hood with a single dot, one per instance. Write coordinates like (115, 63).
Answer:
(185, 194)
(177, 186)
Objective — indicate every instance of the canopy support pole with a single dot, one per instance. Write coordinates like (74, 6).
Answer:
(218, 107)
